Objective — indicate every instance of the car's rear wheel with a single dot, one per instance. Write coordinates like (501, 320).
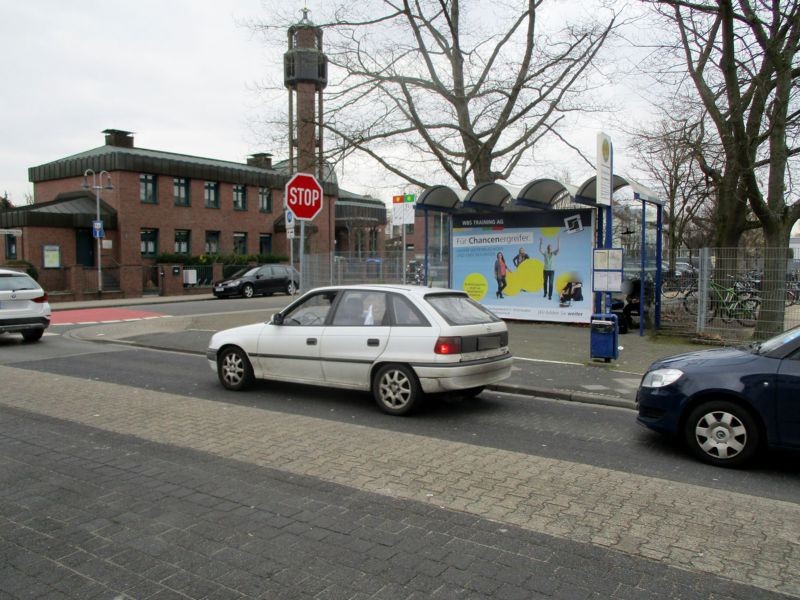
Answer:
(33, 335)
(396, 389)
(234, 369)
(248, 291)
(722, 433)
(291, 288)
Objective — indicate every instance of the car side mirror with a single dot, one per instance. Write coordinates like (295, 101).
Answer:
(277, 319)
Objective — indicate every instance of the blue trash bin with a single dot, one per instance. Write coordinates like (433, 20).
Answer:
(604, 337)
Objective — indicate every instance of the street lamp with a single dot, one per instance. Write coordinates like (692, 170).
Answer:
(97, 226)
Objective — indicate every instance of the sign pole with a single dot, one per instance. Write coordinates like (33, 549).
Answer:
(405, 266)
(302, 256)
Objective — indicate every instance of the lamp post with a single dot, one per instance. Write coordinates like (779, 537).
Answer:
(97, 226)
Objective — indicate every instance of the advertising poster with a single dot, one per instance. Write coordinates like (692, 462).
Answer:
(527, 266)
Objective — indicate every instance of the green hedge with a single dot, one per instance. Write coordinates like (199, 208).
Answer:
(230, 259)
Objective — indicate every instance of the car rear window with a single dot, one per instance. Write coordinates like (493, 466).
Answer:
(18, 281)
(459, 309)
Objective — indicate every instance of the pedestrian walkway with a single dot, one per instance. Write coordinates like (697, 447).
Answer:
(622, 530)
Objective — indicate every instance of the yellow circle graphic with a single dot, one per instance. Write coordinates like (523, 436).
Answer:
(606, 150)
(476, 286)
(550, 231)
(528, 277)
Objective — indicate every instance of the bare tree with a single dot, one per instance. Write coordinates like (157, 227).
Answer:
(742, 58)
(449, 86)
(682, 158)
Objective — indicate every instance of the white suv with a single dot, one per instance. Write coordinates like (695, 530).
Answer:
(23, 305)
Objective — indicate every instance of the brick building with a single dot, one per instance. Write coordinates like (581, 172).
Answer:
(162, 202)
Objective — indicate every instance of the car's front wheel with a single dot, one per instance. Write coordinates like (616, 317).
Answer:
(291, 288)
(234, 369)
(248, 291)
(396, 389)
(33, 335)
(722, 433)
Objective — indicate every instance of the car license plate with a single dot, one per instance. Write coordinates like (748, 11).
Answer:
(218, 289)
(488, 342)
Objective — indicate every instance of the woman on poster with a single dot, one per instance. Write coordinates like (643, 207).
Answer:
(500, 270)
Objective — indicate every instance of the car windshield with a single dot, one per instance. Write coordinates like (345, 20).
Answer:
(776, 342)
(459, 309)
(17, 282)
(244, 273)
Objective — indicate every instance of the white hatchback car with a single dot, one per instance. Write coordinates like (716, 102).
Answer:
(400, 342)
(23, 305)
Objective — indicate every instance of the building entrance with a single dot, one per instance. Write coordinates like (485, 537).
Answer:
(84, 248)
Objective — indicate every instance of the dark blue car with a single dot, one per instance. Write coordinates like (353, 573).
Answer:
(727, 403)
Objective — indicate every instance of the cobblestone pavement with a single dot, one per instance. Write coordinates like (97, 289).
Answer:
(159, 495)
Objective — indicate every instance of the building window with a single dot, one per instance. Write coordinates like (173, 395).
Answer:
(265, 243)
(212, 242)
(239, 197)
(147, 189)
(212, 194)
(373, 240)
(149, 240)
(240, 243)
(11, 247)
(180, 190)
(360, 242)
(265, 199)
(183, 238)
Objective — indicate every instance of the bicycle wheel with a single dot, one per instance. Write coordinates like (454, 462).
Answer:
(791, 297)
(747, 311)
(690, 302)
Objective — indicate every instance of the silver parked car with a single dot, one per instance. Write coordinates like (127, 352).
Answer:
(399, 342)
(23, 305)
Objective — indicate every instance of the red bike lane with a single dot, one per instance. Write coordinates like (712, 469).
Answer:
(88, 316)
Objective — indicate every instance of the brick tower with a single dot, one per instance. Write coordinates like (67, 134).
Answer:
(305, 75)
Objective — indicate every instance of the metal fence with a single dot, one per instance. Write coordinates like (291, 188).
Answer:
(734, 295)
(353, 268)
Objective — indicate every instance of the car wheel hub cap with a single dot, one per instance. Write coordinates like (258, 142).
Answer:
(395, 390)
(721, 434)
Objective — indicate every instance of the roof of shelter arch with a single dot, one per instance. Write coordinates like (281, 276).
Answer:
(538, 194)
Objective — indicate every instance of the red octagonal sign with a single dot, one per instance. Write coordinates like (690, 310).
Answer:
(304, 196)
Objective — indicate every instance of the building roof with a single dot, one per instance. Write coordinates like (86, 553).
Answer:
(143, 160)
(71, 210)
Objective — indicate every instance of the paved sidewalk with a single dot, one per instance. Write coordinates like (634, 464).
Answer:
(621, 530)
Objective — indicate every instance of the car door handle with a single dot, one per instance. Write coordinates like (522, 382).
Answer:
(311, 341)
(373, 342)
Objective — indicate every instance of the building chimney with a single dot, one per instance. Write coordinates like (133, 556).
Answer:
(262, 160)
(119, 138)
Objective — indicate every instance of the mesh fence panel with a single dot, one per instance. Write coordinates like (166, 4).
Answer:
(734, 295)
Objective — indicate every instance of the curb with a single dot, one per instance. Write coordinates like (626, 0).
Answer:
(566, 395)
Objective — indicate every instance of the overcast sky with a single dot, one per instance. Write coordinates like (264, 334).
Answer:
(178, 73)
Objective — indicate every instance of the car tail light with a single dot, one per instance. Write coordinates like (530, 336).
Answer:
(448, 345)
(40, 299)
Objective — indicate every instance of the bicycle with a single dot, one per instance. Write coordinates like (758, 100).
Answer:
(735, 302)
(792, 296)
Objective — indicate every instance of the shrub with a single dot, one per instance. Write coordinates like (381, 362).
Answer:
(24, 264)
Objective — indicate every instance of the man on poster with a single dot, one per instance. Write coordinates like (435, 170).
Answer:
(549, 273)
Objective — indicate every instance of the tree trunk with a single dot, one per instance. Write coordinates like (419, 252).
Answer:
(773, 282)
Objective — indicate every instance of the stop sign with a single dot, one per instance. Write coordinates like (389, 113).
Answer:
(304, 196)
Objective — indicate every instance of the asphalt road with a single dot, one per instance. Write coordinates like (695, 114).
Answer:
(593, 435)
